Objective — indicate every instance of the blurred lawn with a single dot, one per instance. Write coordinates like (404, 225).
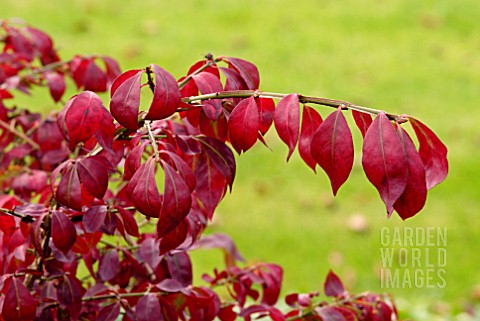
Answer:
(414, 57)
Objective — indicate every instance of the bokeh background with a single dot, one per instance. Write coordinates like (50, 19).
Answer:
(415, 57)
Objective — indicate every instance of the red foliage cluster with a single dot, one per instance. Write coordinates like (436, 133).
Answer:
(126, 192)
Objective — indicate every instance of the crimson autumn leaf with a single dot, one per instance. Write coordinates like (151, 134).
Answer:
(287, 121)
(82, 117)
(362, 120)
(234, 80)
(217, 128)
(246, 69)
(63, 232)
(112, 69)
(332, 148)
(183, 168)
(88, 75)
(177, 201)
(56, 85)
(384, 161)
(69, 190)
(69, 294)
(433, 153)
(93, 175)
(266, 110)
(143, 190)
(133, 161)
(333, 313)
(148, 308)
(109, 312)
(415, 195)
(311, 120)
(109, 265)
(166, 96)
(94, 218)
(174, 238)
(333, 286)
(243, 125)
(18, 303)
(125, 98)
(272, 275)
(128, 220)
(208, 83)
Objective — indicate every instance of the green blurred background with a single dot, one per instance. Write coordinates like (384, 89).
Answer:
(414, 57)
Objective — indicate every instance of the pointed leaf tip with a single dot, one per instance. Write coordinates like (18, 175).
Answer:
(311, 120)
(287, 121)
(332, 149)
(333, 287)
(243, 124)
(384, 161)
(433, 153)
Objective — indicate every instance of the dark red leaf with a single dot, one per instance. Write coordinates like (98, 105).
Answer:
(94, 78)
(214, 128)
(150, 253)
(287, 121)
(56, 85)
(109, 312)
(129, 222)
(415, 195)
(362, 120)
(81, 117)
(221, 156)
(44, 45)
(125, 98)
(266, 109)
(112, 68)
(94, 218)
(224, 242)
(330, 313)
(180, 267)
(332, 149)
(176, 202)
(166, 96)
(247, 70)
(384, 161)
(333, 287)
(143, 190)
(109, 265)
(272, 276)
(208, 83)
(93, 175)
(213, 69)
(243, 124)
(148, 308)
(69, 191)
(18, 304)
(133, 161)
(63, 232)
(174, 238)
(433, 153)
(311, 120)
(69, 294)
(183, 168)
(211, 184)
(233, 79)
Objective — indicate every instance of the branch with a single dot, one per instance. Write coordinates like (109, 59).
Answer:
(21, 135)
(303, 99)
(25, 218)
(210, 62)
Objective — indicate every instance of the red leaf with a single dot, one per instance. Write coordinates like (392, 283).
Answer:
(180, 267)
(109, 265)
(125, 100)
(69, 191)
(56, 85)
(287, 121)
(69, 294)
(133, 161)
(433, 153)
(362, 120)
(109, 312)
(93, 175)
(233, 79)
(332, 149)
(221, 156)
(247, 70)
(81, 117)
(113, 69)
(333, 287)
(415, 195)
(174, 238)
(214, 128)
(166, 96)
(311, 120)
(94, 78)
(272, 275)
(330, 313)
(129, 222)
(384, 162)
(143, 190)
(208, 83)
(266, 109)
(94, 218)
(63, 232)
(224, 242)
(176, 202)
(183, 168)
(148, 308)
(243, 124)
(18, 304)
